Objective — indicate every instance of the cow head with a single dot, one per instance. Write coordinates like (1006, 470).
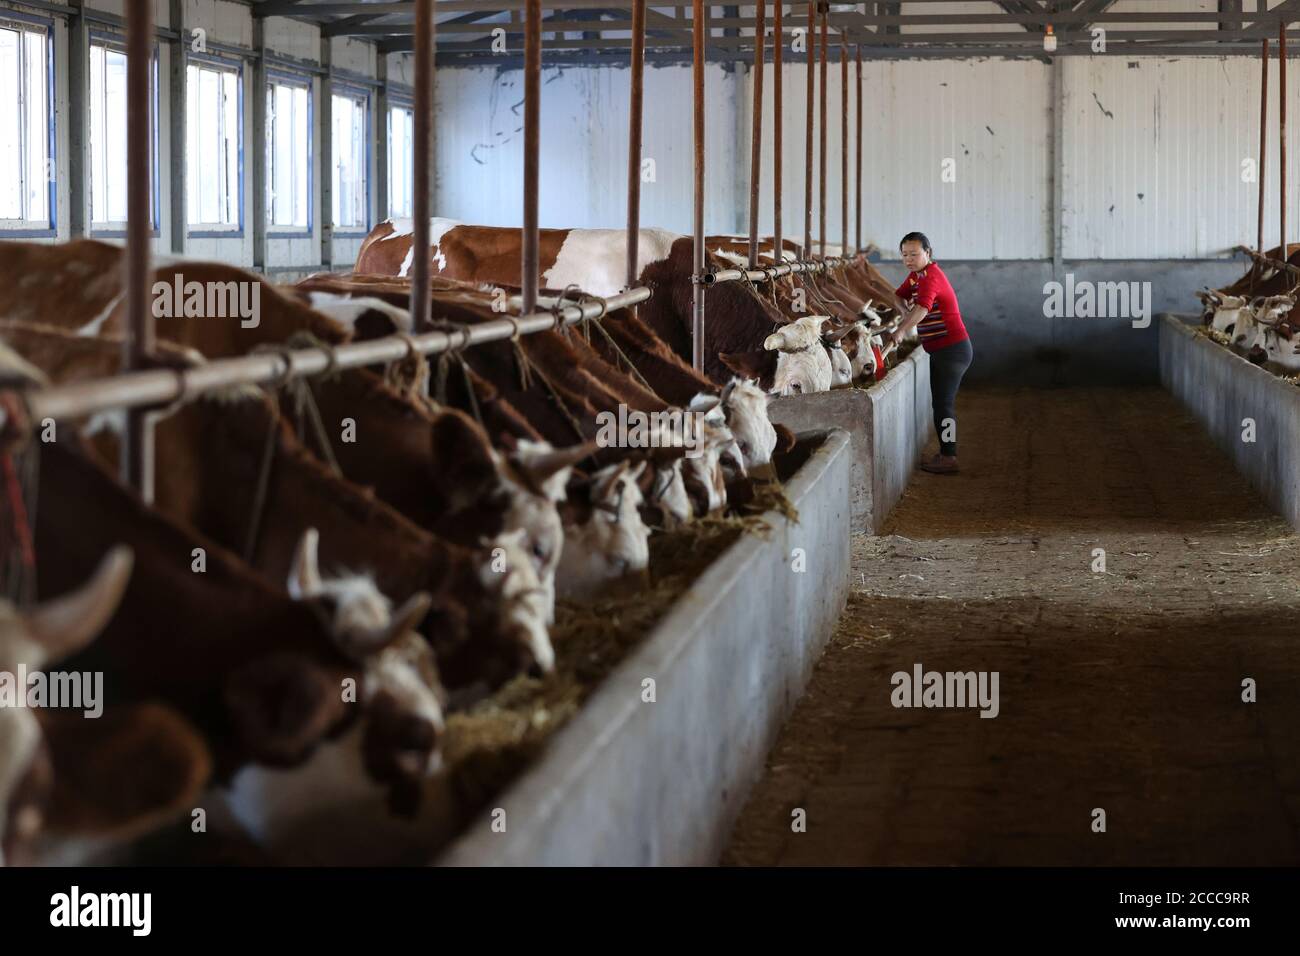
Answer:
(744, 407)
(32, 640)
(1278, 345)
(399, 677)
(832, 341)
(526, 605)
(803, 365)
(664, 492)
(1224, 310)
(611, 540)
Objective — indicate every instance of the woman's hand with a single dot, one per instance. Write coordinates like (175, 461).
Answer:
(896, 337)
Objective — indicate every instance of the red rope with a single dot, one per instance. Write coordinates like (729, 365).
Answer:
(18, 511)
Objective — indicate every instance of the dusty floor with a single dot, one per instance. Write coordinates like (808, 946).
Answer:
(1119, 690)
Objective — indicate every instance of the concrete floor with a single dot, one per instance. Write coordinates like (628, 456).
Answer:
(1118, 689)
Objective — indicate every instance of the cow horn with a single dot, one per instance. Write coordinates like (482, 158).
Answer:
(304, 573)
(835, 335)
(726, 392)
(66, 624)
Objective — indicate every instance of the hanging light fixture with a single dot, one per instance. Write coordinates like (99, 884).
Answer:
(1049, 40)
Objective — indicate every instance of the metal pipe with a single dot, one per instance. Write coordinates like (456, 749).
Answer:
(858, 191)
(1281, 99)
(420, 163)
(821, 216)
(778, 120)
(634, 141)
(844, 148)
(532, 148)
(810, 43)
(163, 386)
(697, 311)
(1263, 137)
(765, 273)
(137, 464)
(756, 136)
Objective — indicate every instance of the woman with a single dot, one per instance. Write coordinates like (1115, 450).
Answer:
(928, 304)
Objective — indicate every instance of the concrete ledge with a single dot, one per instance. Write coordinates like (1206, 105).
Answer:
(633, 783)
(1220, 388)
(889, 424)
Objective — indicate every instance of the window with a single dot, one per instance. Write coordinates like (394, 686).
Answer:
(212, 145)
(351, 193)
(401, 141)
(25, 152)
(107, 108)
(288, 152)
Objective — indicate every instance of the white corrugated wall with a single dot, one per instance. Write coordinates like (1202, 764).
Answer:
(1155, 154)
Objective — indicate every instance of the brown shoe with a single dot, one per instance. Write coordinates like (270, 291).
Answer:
(941, 465)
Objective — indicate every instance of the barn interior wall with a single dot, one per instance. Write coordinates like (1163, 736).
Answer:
(229, 31)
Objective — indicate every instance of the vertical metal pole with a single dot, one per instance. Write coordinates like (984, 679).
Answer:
(821, 215)
(137, 447)
(810, 44)
(532, 145)
(777, 123)
(857, 193)
(423, 106)
(699, 27)
(756, 137)
(1263, 140)
(1281, 99)
(844, 147)
(634, 142)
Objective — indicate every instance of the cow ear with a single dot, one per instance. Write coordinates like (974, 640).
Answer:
(149, 758)
(304, 573)
(65, 625)
(281, 706)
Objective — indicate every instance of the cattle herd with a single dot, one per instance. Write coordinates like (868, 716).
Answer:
(1253, 315)
(332, 567)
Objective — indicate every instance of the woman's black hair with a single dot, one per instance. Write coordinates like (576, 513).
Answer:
(917, 237)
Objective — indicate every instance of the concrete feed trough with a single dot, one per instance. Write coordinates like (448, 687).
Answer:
(629, 782)
(889, 425)
(1222, 390)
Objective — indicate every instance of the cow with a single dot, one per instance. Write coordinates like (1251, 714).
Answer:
(594, 261)
(60, 798)
(1262, 313)
(803, 365)
(613, 508)
(1221, 312)
(264, 677)
(93, 273)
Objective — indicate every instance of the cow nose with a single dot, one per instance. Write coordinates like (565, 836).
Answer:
(535, 670)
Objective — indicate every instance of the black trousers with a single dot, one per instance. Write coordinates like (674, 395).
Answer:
(947, 366)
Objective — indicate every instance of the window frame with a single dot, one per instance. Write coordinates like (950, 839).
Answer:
(282, 77)
(111, 229)
(398, 101)
(352, 91)
(33, 228)
(229, 65)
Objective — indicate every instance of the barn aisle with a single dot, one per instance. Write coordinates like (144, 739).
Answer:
(1119, 689)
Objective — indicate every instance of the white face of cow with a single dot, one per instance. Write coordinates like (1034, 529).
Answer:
(803, 366)
(33, 639)
(526, 605)
(1281, 347)
(536, 515)
(745, 408)
(841, 368)
(399, 663)
(614, 541)
(668, 492)
(1227, 309)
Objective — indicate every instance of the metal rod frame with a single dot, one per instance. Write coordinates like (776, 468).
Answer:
(634, 126)
(756, 135)
(700, 25)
